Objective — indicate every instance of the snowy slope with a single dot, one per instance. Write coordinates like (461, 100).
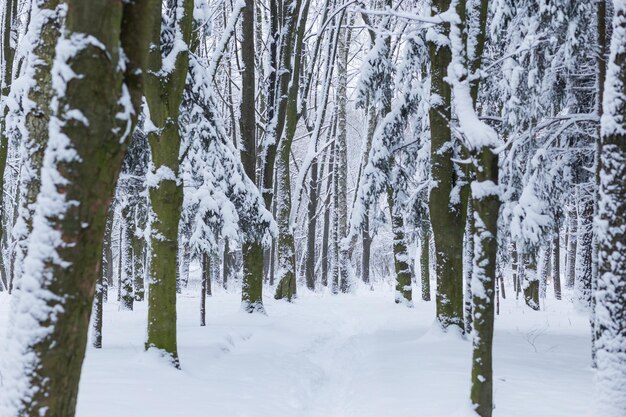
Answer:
(333, 356)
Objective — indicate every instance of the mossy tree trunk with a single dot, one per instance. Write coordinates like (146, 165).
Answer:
(294, 27)
(447, 215)
(81, 166)
(165, 82)
(252, 287)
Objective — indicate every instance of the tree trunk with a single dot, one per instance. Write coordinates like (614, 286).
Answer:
(556, 266)
(572, 241)
(584, 248)
(425, 260)
(366, 240)
(610, 378)
(8, 53)
(252, 285)
(514, 269)
(544, 270)
(126, 259)
(469, 266)
(51, 344)
(341, 161)
(139, 249)
(294, 24)
(404, 291)
(601, 64)
(530, 281)
(312, 226)
(36, 120)
(446, 216)
(487, 206)
(164, 92)
(206, 278)
(286, 288)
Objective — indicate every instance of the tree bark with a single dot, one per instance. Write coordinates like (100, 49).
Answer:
(584, 248)
(80, 166)
(164, 92)
(404, 291)
(252, 286)
(446, 216)
(530, 281)
(469, 266)
(572, 241)
(556, 266)
(126, 259)
(206, 277)
(286, 251)
(425, 260)
(610, 308)
(312, 227)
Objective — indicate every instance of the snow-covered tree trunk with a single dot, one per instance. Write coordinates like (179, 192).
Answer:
(328, 225)
(468, 267)
(286, 251)
(404, 291)
(126, 258)
(165, 82)
(584, 248)
(572, 240)
(514, 269)
(252, 285)
(42, 39)
(544, 271)
(425, 260)
(556, 259)
(139, 248)
(341, 161)
(610, 378)
(309, 273)
(205, 263)
(530, 278)
(286, 272)
(446, 212)
(366, 236)
(9, 13)
(483, 143)
(91, 120)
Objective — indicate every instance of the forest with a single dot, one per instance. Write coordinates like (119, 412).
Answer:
(306, 208)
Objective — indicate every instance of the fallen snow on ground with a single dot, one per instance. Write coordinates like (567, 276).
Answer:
(332, 356)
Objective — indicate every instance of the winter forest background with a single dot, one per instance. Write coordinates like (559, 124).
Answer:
(172, 165)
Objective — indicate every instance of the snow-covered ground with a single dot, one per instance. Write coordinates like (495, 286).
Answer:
(332, 356)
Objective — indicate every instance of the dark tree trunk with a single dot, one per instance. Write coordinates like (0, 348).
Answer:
(425, 260)
(556, 266)
(312, 228)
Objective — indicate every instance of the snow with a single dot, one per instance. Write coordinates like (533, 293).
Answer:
(331, 356)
